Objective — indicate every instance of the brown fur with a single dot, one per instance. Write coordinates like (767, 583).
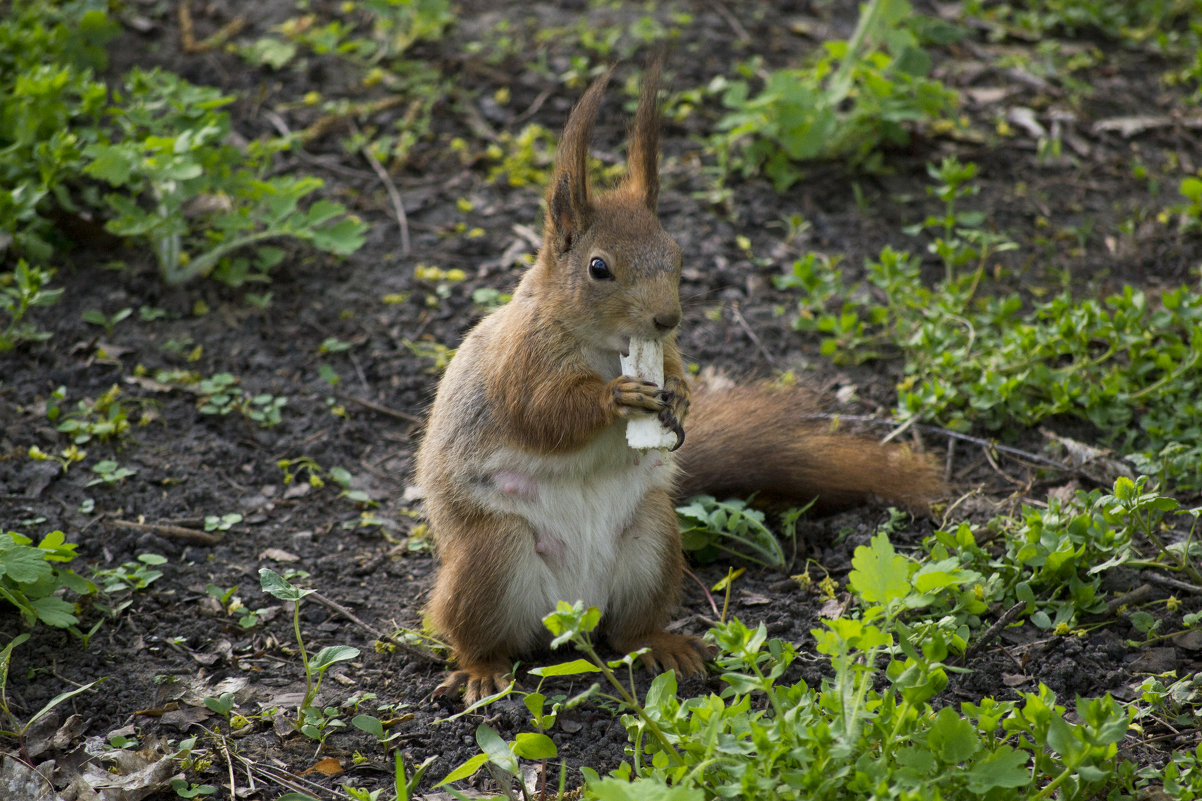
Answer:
(759, 439)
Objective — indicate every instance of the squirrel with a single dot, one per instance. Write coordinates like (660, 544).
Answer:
(531, 491)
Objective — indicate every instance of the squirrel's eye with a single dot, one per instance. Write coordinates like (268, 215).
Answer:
(598, 270)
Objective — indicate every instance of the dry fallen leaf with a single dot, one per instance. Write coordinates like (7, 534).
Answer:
(330, 766)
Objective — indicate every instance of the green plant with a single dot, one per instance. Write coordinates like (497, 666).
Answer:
(318, 721)
(109, 472)
(1053, 558)
(169, 156)
(223, 522)
(107, 322)
(710, 527)
(186, 789)
(1133, 21)
(501, 757)
(233, 605)
(136, 575)
(439, 354)
(31, 577)
(959, 239)
(50, 107)
(870, 728)
(220, 394)
(22, 289)
(861, 94)
(972, 358)
(101, 419)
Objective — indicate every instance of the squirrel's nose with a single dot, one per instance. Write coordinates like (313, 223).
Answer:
(666, 321)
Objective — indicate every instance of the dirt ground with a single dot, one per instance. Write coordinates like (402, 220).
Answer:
(174, 644)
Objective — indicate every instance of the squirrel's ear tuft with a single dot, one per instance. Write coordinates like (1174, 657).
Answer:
(569, 210)
(643, 156)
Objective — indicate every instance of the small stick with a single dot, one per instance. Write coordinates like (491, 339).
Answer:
(991, 633)
(1135, 596)
(375, 407)
(417, 653)
(946, 432)
(187, 32)
(174, 532)
(742, 323)
(1177, 584)
(394, 196)
(534, 107)
(731, 20)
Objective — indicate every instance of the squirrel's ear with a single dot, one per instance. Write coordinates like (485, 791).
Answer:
(569, 211)
(643, 156)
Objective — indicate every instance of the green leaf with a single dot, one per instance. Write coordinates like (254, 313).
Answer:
(54, 611)
(369, 724)
(465, 770)
(573, 668)
(610, 789)
(496, 749)
(1062, 738)
(275, 584)
(331, 654)
(662, 689)
(1005, 767)
(880, 575)
(533, 745)
(952, 738)
(58, 699)
(22, 563)
(184, 789)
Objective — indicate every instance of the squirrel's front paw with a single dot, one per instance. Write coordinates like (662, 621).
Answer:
(669, 403)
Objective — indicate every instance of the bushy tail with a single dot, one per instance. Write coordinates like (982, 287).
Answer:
(766, 440)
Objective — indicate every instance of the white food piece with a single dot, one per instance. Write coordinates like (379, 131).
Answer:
(646, 361)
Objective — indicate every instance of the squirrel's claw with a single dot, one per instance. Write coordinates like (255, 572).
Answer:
(669, 420)
(475, 685)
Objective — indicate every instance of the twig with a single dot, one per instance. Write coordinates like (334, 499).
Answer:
(988, 452)
(230, 764)
(1135, 596)
(947, 432)
(375, 407)
(417, 653)
(394, 196)
(708, 595)
(534, 107)
(285, 779)
(901, 429)
(187, 33)
(471, 116)
(191, 535)
(731, 20)
(327, 122)
(1177, 584)
(742, 323)
(991, 633)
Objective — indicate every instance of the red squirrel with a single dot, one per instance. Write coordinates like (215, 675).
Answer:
(531, 491)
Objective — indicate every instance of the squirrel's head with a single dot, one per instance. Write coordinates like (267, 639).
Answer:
(606, 251)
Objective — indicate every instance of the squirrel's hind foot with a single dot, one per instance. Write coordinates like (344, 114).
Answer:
(477, 681)
(683, 653)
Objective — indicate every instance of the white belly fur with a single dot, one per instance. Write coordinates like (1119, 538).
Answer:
(578, 506)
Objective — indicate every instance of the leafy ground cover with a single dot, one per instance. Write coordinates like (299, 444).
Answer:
(237, 248)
